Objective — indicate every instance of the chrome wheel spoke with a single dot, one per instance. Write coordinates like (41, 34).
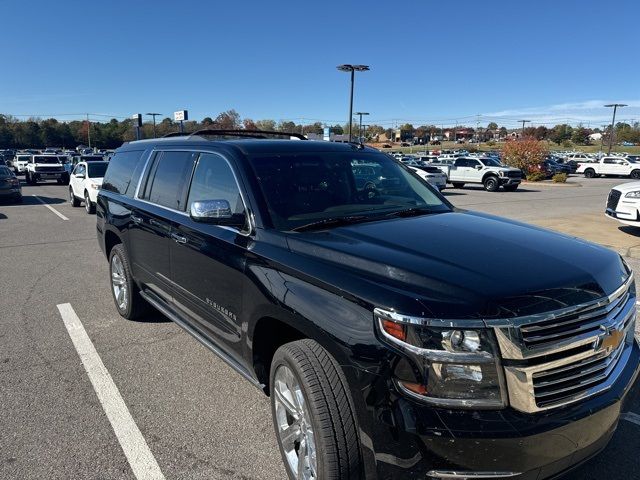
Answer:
(290, 435)
(293, 424)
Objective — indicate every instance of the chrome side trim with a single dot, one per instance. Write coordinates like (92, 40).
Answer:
(461, 475)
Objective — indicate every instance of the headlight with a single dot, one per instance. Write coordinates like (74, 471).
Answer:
(634, 194)
(447, 366)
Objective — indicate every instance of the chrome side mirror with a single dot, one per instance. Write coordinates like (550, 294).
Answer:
(216, 212)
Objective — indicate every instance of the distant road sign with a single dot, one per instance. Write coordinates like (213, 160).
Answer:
(181, 115)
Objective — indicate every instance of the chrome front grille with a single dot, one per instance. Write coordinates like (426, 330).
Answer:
(567, 355)
(562, 384)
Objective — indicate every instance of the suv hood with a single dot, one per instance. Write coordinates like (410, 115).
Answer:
(628, 187)
(463, 264)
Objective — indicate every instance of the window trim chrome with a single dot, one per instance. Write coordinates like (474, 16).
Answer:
(249, 212)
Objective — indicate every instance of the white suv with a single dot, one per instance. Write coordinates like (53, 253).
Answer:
(623, 203)
(85, 181)
(20, 162)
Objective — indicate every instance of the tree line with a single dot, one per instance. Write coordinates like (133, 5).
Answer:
(41, 133)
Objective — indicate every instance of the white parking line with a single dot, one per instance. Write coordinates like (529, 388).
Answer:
(50, 208)
(142, 461)
(631, 417)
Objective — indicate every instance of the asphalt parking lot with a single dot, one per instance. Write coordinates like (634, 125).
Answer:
(197, 417)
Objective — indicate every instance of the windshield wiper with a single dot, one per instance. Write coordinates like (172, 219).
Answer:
(331, 222)
(411, 212)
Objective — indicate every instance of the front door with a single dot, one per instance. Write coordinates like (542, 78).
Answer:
(207, 261)
(159, 203)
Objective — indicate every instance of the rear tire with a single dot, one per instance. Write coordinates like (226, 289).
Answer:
(635, 174)
(491, 183)
(458, 184)
(129, 302)
(589, 173)
(320, 415)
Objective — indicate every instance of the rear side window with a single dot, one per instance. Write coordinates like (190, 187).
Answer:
(170, 173)
(123, 172)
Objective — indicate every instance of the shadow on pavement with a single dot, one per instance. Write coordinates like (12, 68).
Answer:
(629, 230)
(30, 200)
(3, 216)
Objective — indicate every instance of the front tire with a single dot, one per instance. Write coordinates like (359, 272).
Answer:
(635, 174)
(125, 293)
(589, 173)
(491, 184)
(313, 415)
(72, 198)
(88, 206)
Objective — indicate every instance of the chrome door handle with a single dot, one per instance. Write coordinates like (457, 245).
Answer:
(179, 238)
(135, 219)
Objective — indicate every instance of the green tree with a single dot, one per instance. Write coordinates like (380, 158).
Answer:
(492, 126)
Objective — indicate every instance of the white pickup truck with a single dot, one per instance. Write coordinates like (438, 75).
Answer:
(485, 171)
(610, 166)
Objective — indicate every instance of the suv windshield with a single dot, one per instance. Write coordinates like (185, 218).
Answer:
(96, 170)
(48, 160)
(491, 162)
(312, 187)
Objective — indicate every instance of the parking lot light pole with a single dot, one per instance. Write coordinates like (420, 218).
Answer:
(523, 122)
(154, 115)
(352, 69)
(360, 130)
(613, 121)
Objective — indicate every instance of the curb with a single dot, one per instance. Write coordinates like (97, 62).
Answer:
(551, 184)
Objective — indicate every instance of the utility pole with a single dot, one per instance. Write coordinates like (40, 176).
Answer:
(154, 115)
(613, 122)
(604, 129)
(88, 131)
(360, 131)
(523, 122)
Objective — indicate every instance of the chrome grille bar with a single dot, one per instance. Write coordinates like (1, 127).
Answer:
(596, 340)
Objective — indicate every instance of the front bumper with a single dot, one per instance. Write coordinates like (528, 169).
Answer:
(510, 181)
(415, 441)
(626, 211)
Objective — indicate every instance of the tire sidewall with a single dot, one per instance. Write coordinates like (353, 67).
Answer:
(635, 174)
(282, 357)
(491, 184)
(120, 252)
(589, 173)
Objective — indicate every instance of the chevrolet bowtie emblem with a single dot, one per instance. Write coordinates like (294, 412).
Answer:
(609, 340)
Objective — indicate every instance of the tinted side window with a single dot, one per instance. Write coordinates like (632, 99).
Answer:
(213, 180)
(472, 163)
(461, 162)
(120, 177)
(171, 172)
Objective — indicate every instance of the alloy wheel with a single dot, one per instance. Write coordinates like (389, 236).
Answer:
(293, 424)
(119, 283)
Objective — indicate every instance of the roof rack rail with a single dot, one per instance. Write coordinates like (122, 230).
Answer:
(236, 133)
(175, 134)
(247, 133)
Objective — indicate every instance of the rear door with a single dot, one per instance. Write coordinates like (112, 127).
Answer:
(77, 179)
(160, 202)
(208, 261)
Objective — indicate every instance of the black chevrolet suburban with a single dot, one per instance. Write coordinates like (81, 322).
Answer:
(396, 335)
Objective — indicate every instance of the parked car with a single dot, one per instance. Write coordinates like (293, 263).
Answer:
(397, 336)
(85, 182)
(484, 171)
(19, 164)
(623, 203)
(46, 167)
(433, 175)
(10, 188)
(617, 166)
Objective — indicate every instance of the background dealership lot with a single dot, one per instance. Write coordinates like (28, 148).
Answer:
(198, 417)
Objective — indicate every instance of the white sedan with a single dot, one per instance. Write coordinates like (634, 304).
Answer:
(84, 183)
(433, 175)
(623, 203)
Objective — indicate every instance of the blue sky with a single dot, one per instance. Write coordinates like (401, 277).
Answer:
(431, 62)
